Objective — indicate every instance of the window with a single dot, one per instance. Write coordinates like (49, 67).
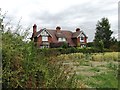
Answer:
(61, 39)
(44, 38)
(44, 46)
(83, 46)
(82, 38)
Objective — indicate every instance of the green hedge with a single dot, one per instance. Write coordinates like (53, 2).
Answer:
(57, 51)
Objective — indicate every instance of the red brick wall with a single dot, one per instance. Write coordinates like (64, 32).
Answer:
(49, 39)
(39, 41)
(85, 40)
(75, 41)
(78, 41)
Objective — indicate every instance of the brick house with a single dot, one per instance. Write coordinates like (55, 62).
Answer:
(56, 38)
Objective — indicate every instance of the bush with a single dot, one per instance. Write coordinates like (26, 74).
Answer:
(25, 66)
(78, 50)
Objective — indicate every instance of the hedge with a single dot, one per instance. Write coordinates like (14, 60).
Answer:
(57, 51)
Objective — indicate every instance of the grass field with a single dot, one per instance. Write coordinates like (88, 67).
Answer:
(93, 70)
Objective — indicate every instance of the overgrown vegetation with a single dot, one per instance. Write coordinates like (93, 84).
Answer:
(96, 70)
(25, 66)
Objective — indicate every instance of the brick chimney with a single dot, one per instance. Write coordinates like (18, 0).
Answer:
(77, 29)
(34, 29)
(58, 29)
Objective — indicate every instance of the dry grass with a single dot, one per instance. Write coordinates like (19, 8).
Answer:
(94, 70)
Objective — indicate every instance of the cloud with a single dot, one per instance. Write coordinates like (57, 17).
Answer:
(69, 14)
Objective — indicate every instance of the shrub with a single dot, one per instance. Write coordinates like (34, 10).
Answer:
(97, 57)
(25, 66)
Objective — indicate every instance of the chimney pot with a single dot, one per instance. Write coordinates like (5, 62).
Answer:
(77, 29)
(34, 26)
(58, 29)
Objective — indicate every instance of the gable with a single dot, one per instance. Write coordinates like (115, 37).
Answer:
(78, 34)
(44, 32)
(81, 35)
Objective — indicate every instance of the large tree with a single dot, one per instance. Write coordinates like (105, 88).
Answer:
(103, 33)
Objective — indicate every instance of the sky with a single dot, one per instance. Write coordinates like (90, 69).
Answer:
(68, 14)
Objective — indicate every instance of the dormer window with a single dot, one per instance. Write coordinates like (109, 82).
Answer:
(61, 39)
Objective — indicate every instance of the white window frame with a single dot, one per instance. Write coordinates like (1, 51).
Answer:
(44, 46)
(61, 39)
(44, 38)
(82, 36)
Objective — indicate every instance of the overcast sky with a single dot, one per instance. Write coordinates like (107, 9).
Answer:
(68, 14)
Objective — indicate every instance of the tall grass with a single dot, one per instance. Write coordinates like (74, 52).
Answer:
(107, 56)
(103, 75)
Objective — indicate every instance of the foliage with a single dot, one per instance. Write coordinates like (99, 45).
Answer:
(82, 50)
(98, 70)
(101, 45)
(115, 44)
(26, 66)
(65, 45)
(103, 33)
(108, 56)
(90, 44)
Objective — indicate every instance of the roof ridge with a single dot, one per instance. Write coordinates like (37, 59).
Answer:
(61, 30)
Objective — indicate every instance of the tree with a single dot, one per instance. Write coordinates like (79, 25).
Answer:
(65, 45)
(114, 44)
(101, 45)
(103, 33)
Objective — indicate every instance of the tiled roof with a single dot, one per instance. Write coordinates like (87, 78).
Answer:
(62, 34)
(76, 34)
(38, 33)
(65, 34)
